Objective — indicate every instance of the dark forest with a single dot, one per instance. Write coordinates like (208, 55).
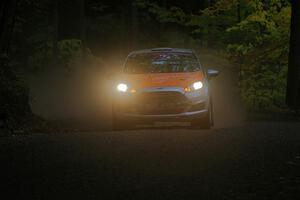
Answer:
(41, 35)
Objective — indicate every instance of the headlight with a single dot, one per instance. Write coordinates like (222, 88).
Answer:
(194, 87)
(197, 85)
(122, 87)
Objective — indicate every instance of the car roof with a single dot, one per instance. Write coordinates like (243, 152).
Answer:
(164, 49)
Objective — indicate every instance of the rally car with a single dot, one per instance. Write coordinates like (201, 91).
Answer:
(163, 84)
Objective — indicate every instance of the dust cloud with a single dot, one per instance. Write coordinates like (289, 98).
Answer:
(83, 95)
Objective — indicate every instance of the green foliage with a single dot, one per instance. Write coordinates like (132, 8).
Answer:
(259, 46)
(69, 51)
(174, 14)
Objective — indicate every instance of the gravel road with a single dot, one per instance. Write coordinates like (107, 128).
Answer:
(260, 160)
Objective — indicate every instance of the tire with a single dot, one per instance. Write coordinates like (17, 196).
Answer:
(119, 125)
(205, 122)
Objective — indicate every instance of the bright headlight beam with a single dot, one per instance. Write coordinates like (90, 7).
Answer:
(122, 87)
(198, 85)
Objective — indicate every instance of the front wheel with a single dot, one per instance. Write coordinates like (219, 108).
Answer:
(205, 122)
(119, 125)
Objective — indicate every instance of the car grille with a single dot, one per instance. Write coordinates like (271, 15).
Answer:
(155, 103)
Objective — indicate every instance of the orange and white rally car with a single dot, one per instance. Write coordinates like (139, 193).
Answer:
(163, 84)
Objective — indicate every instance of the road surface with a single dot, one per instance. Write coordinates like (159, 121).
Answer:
(260, 160)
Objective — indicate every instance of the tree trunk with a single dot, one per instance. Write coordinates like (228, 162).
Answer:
(134, 25)
(8, 12)
(55, 32)
(162, 24)
(83, 27)
(14, 101)
(238, 11)
(293, 82)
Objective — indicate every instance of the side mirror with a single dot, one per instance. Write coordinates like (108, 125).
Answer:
(212, 73)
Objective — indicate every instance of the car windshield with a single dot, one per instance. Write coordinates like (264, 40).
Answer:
(161, 62)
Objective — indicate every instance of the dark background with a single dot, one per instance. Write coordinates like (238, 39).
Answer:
(44, 41)
(56, 63)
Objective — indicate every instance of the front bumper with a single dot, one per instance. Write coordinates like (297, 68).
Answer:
(182, 106)
(186, 116)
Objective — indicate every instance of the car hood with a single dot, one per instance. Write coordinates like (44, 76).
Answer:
(183, 80)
